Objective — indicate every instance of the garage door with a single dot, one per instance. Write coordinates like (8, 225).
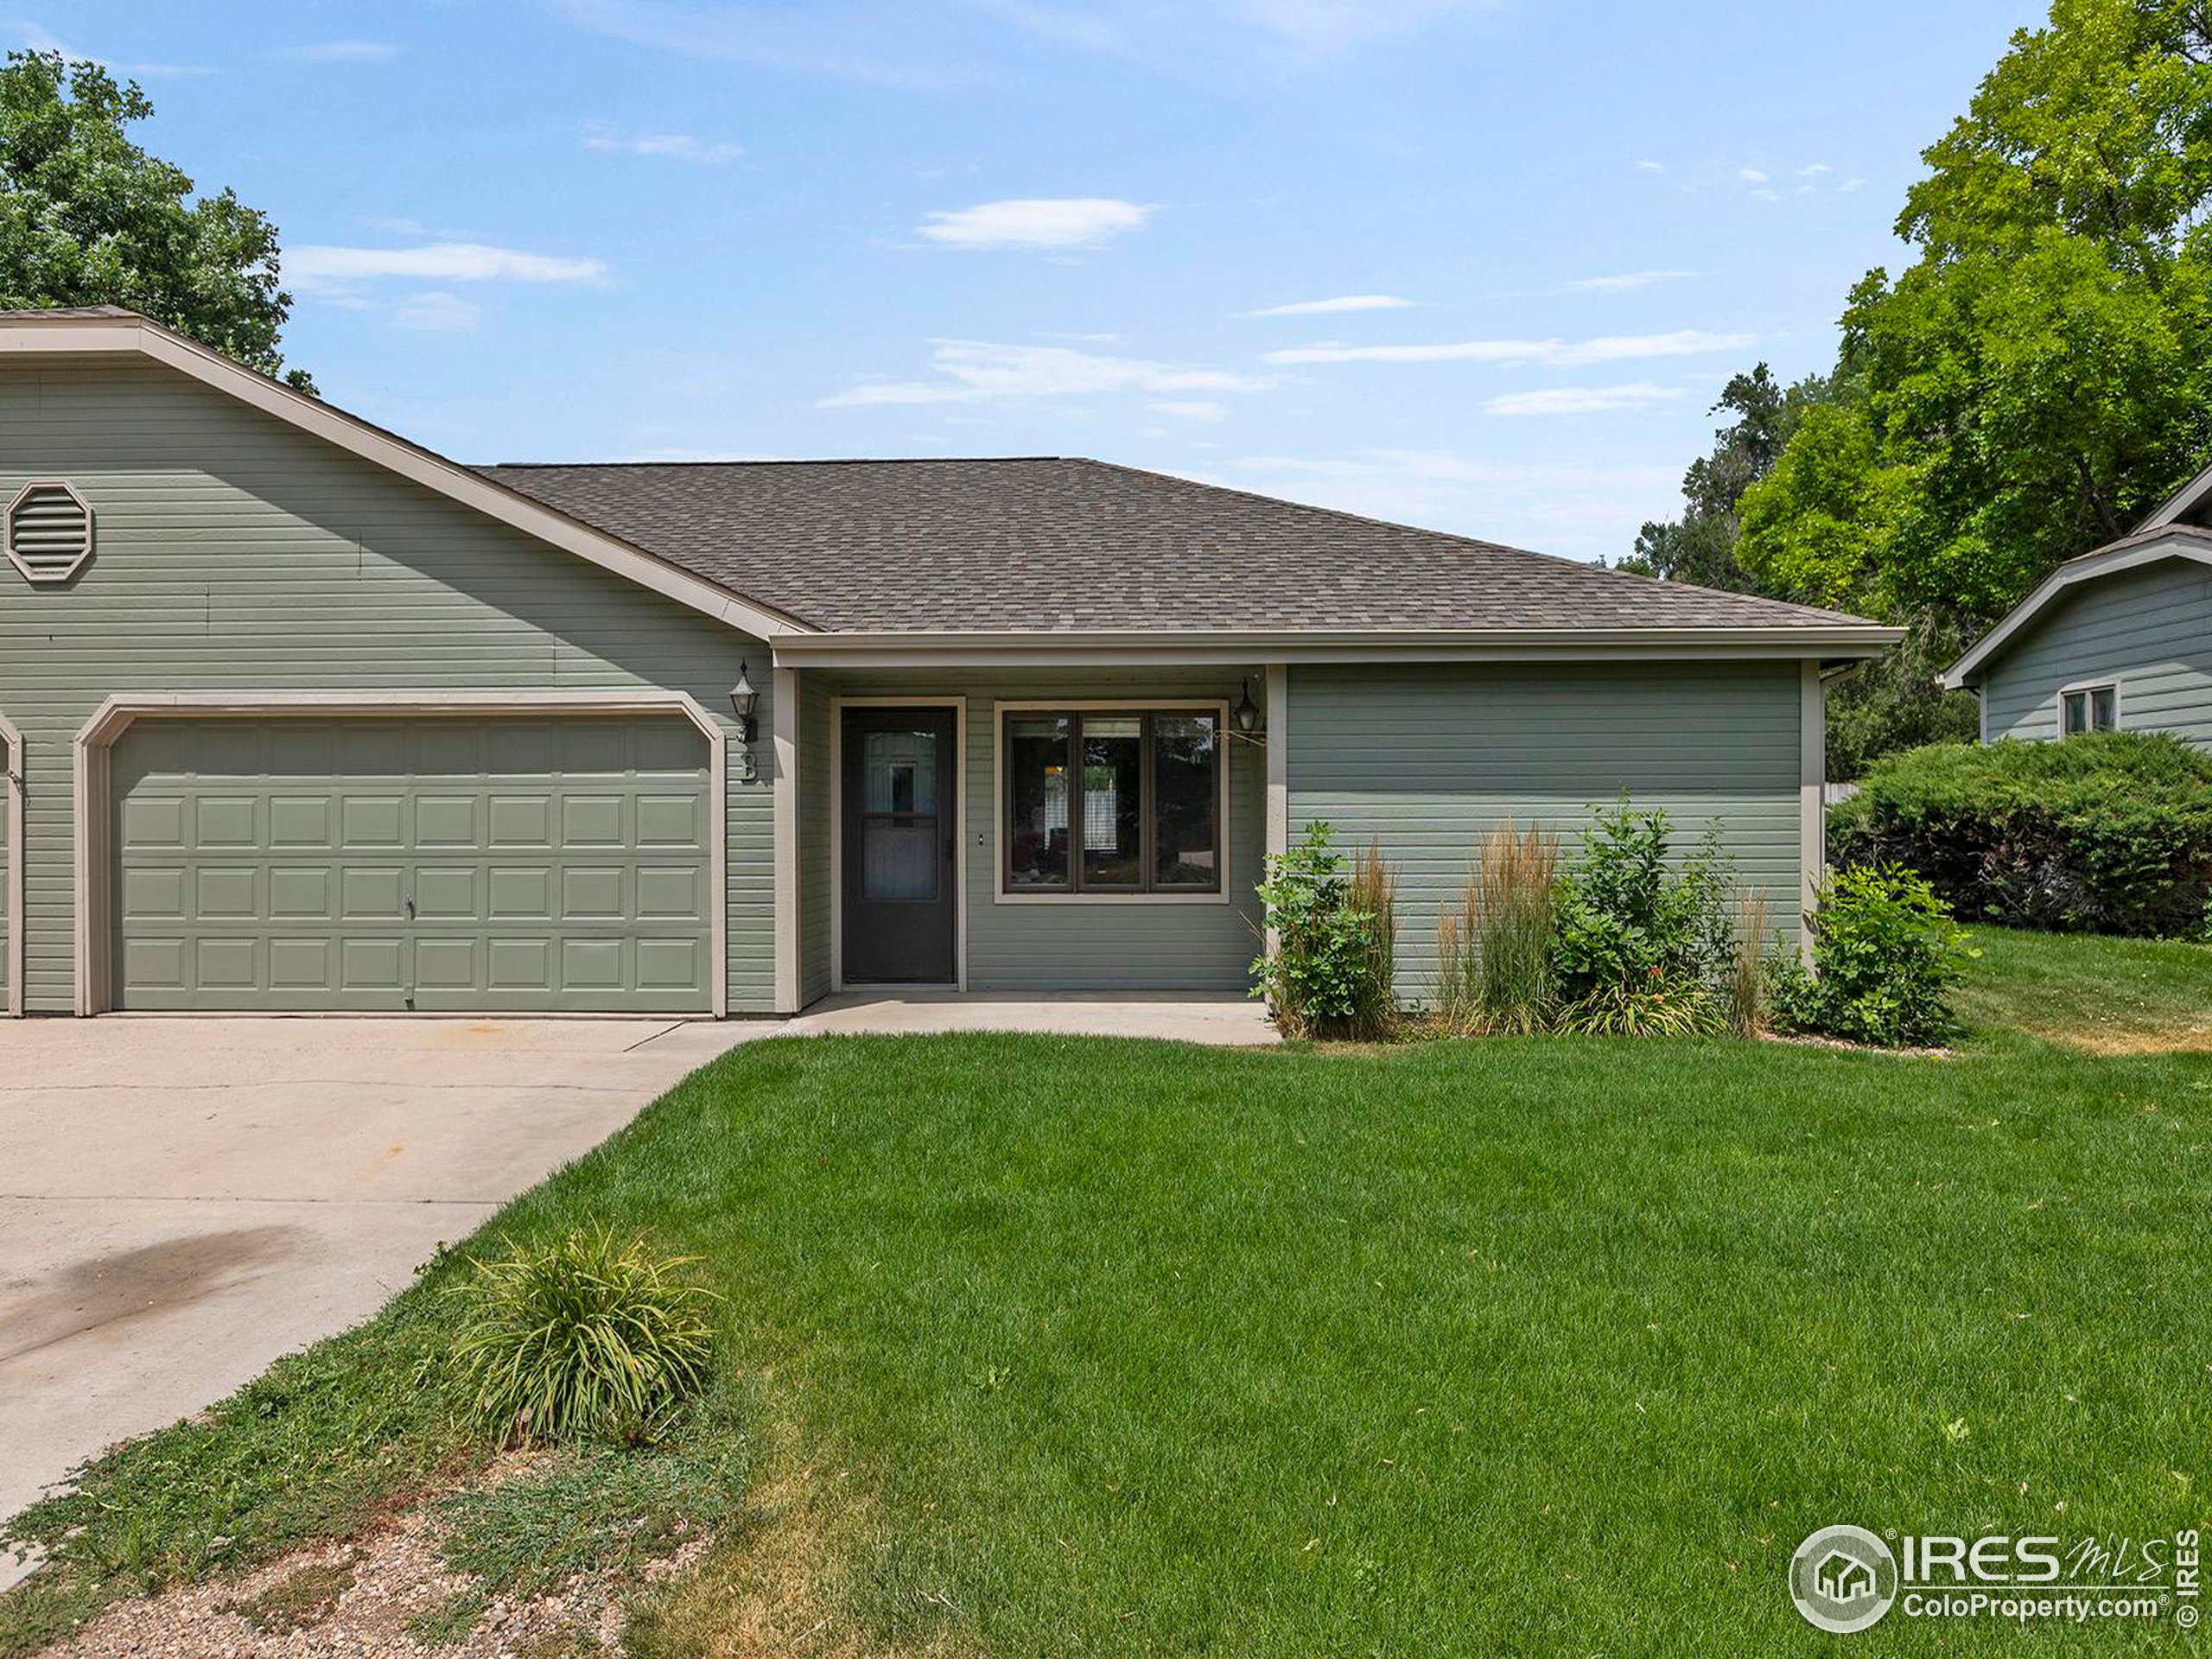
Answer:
(512, 866)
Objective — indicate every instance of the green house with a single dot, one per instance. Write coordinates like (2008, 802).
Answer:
(299, 715)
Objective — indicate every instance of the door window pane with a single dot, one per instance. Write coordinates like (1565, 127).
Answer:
(898, 857)
(1113, 801)
(898, 772)
(1185, 750)
(1037, 793)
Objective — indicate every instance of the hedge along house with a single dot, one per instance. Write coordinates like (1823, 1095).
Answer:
(2117, 639)
(300, 716)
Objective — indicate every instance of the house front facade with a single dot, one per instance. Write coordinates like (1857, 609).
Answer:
(300, 717)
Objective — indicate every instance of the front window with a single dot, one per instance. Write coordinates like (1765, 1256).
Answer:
(2089, 708)
(1113, 802)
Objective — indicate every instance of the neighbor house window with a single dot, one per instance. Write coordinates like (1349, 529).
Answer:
(2088, 709)
(1113, 802)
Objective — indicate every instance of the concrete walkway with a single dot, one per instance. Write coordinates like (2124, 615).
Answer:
(184, 1200)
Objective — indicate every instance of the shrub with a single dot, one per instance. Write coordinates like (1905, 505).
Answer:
(1329, 972)
(580, 1337)
(1886, 954)
(2107, 832)
(1641, 947)
(1493, 954)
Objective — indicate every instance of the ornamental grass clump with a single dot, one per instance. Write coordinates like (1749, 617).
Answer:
(580, 1337)
(1494, 949)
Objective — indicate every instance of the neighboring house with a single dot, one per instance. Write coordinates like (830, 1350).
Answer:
(2117, 639)
(301, 717)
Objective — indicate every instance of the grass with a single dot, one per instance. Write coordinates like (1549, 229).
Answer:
(2101, 995)
(1517, 1346)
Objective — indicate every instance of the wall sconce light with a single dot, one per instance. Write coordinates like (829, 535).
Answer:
(743, 699)
(1246, 714)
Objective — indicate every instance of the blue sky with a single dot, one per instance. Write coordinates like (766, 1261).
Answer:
(1481, 266)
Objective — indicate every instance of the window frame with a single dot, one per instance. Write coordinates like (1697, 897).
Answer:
(2087, 689)
(1073, 708)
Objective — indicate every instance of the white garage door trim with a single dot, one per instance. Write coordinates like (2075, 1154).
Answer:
(14, 762)
(114, 717)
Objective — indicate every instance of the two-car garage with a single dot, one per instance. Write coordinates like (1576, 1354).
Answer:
(429, 860)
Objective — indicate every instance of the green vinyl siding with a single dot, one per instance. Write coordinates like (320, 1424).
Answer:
(236, 553)
(2148, 630)
(1430, 758)
(447, 865)
(1102, 945)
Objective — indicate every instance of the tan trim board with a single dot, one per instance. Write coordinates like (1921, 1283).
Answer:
(1002, 706)
(128, 334)
(1216, 647)
(16, 764)
(1812, 779)
(96, 740)
(959, 703)
(785, 708)
(1278, 739)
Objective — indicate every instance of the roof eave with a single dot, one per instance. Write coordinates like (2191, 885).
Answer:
(1172, 646)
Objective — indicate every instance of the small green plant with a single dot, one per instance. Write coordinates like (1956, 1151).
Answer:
(1641, 947)
(1328, 972)
(578, 1337)
(1886, 955)
(301, 1598)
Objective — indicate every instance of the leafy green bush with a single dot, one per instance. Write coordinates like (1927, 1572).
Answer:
(580, 1337)
(1641, 947)
(1885, 956)
(1329, 973)
(2109, 832)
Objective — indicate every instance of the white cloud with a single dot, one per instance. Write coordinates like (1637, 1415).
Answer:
(1849, 185)
(437, 312)
(1609, 348)
(1341, 302)
(973, 370)
(1630, 279)
(36, 38)
(1581, 400)
(671, 146)
(862, 43)
(338, 51)
(1189, 409)
(314, 266)
(1766, 195)
(1651, 167)
(1815, 170)
(1035, 222)
(1751, 175)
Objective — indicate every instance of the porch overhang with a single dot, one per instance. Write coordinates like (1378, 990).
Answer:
(1186, 647)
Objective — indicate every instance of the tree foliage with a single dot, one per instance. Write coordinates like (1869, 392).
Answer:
(2039, 376)
(1700, 547)
(88, 218)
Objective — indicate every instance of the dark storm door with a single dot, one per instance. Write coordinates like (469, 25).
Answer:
(901, 851)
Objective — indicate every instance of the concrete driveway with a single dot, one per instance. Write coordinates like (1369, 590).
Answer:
(181, 1201)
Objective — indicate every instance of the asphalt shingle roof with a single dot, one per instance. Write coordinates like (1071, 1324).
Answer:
(1046, 543)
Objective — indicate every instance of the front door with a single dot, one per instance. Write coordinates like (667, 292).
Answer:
(901, 851)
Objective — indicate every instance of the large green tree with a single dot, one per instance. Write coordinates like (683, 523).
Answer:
(2042, 373)
(88, 218)
(1700, 547)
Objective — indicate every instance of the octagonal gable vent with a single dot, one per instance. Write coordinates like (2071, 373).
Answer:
(49, 531)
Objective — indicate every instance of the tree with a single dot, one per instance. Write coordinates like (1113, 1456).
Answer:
(1700, 547)
(88, 218)
(2042, 374)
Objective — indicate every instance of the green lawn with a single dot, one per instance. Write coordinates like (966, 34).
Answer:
(1544, 1345)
